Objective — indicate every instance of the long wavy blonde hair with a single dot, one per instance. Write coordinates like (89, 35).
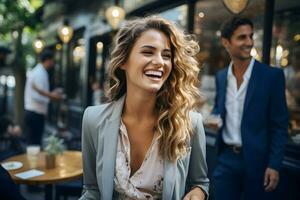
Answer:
(179, 94)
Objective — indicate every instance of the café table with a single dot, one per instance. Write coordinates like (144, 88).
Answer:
(68, 167)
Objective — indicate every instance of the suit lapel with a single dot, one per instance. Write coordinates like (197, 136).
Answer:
(251, 85)
(111, 132)
(223, 87)
(169, 179)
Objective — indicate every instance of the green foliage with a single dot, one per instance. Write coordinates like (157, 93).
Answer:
(54, 145)
(18, 13)
(36, 3)
(16, 18)
(20, 16)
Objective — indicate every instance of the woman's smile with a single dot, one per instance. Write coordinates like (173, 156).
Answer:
(149, 63)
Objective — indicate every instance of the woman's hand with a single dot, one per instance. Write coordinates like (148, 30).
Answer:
(195, 194)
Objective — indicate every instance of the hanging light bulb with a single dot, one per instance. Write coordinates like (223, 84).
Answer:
(236, 6)
(99, 47)
(114, 16)
(38, 45)
(65, 33)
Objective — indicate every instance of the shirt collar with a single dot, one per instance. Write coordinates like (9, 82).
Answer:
(40, 66)
(248, 72)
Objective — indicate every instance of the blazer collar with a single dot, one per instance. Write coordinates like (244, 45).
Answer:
(252, 84)
(223, 85)
(111, 131)
(169, 179)
(117, 109)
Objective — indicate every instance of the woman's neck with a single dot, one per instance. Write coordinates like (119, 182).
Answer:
(139, 106)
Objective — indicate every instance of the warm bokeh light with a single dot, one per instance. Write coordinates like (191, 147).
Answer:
(65, 33)
(201, 14)
(78, 54)
(114, 16)
(297, 37)
(99, 47)
(279, 51)
(58, 46)
(38, 45)
(284, 62)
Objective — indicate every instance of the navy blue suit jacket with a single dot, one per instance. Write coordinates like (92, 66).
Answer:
(264, 122)
(8, 189)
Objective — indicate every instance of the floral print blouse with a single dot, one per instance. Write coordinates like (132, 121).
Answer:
(147, 181)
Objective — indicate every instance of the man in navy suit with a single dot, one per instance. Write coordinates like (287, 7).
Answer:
(251, 100)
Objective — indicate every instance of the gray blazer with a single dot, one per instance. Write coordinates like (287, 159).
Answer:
(100, 129)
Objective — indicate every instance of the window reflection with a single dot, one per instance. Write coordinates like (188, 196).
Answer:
(78, 54)
(285, 53)
(177, 15)
(100, 48)
(56, 75)
(74, 80)
(130, 5)
(96, 84)
(99, 57)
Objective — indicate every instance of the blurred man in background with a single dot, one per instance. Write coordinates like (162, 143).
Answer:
(37, 97)
(250, 98)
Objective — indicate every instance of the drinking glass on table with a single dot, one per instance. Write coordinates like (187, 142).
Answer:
(32, 154)
(213, 121)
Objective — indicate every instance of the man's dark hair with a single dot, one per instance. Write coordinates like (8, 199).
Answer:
(232, 24)
(46, 55)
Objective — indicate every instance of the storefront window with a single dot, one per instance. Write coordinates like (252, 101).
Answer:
(97, 78)
(285, 53)
(130, 5)
(74, 80)
(100, 48)
(7, 89)
(55, 76)
(209, 16)
(58, 68)
(177, 15)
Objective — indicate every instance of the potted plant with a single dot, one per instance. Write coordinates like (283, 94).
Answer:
(54, 146)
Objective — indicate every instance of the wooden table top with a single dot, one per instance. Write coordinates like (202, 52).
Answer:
(68, 167)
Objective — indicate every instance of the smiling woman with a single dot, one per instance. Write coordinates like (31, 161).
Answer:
(148, 141)
(149, 63)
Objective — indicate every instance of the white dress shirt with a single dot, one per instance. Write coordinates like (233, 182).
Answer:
(234, 104)
(34, 101)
